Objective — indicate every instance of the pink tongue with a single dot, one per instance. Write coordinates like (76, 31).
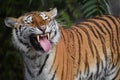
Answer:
(45, 44)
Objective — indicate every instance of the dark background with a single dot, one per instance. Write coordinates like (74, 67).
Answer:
(69, 12)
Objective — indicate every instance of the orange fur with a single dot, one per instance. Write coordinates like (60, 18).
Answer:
(79, 50)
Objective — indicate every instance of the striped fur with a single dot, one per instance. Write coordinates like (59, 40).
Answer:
(89, 50)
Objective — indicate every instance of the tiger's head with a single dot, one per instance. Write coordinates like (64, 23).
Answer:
(35, 30)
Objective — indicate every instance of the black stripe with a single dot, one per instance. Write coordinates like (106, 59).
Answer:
(116, 26)
(110, 41)
(67, 62)
(81, 37)
(118, 51)
(28, 70)
(118, 30)
(62, 34)
(16, 30)
(22, 31)
(113, 20)
(111, 72)
(20, 27)
(86, 64)
(117, 74)
(28, 50)
(72, 39)
(41, 69)
(97, 25)
(79, 48)
(25, 44)
(105, 20)
(104, 50)
(106, 29)
(97, 58)
(91, 77)
(53, 77)
(109, 25)
(91, 28)
(53, 63)
(88, 38)
(55, 32)
(112, 36)
(68, 40)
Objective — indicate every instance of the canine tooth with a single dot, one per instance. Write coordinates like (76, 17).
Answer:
(48, 35)
(41, 35)
(38, 38)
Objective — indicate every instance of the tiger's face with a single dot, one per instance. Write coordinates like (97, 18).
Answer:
(35, 30)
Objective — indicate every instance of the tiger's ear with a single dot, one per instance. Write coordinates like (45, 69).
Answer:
(10, 22)
(53, 13)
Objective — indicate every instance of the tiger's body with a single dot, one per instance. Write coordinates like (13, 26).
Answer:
(98, 55)
(86, 51)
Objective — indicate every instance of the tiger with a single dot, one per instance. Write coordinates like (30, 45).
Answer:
(89, 50)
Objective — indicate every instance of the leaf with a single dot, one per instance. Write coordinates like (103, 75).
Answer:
(107, 4)
(87, 10)
(89, 3)
(103, 8)
(95, 7)
(65, 19)
(90, 13)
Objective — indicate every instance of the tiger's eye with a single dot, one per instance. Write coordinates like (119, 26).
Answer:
(27, 19)
(44, 16)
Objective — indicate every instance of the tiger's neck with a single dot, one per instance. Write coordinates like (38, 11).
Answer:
(39, 67)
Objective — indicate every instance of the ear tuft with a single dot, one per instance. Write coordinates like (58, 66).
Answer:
(53, 12)
(10, 22)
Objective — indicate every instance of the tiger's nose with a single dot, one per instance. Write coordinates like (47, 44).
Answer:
(42, 28)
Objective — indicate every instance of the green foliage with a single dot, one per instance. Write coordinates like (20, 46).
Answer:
(64, 19)
(69, 11)
(93, 8)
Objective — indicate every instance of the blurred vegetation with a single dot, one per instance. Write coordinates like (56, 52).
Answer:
(69, 12)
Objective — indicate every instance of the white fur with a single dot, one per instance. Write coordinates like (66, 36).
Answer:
(17, 44)
(44, 16)
(27, 19)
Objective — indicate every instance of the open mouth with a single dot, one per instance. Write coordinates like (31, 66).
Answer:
(41, 42)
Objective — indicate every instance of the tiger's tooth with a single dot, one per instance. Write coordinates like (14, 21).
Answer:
(48, 35)
(41, 35)
(38, 38)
